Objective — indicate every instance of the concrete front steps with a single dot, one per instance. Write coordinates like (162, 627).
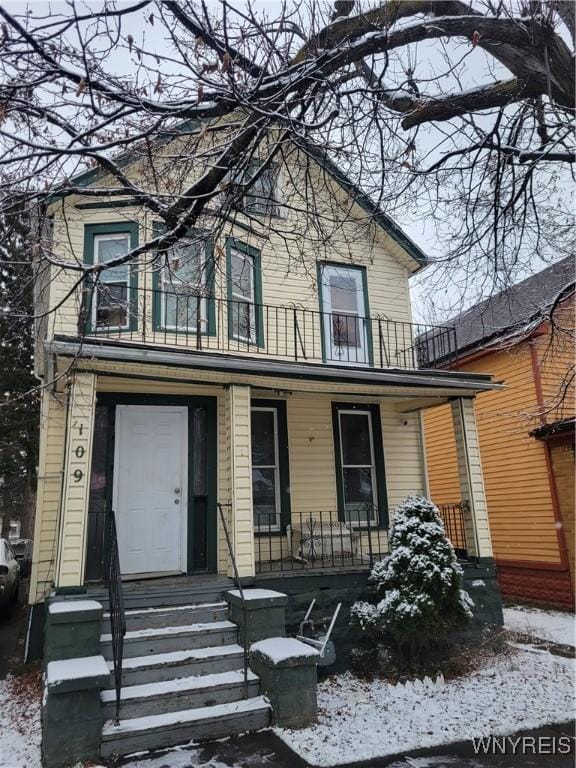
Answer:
(182, 675)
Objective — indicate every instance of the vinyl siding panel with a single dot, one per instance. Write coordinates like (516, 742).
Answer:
(515, 477)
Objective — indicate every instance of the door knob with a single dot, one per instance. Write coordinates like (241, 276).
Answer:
(176, 490)
(176, 501)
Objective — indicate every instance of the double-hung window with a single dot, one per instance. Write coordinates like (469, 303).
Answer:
(244, 293)
(270, 480)
(359, 463)
(262, 197)
(344, 311)
(112, 301)
(185, 284)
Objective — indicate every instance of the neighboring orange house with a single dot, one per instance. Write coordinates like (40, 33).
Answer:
(524, 337)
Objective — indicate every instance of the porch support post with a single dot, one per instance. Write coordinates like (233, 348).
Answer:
(471, 481)
(240, 472)
(73, 522)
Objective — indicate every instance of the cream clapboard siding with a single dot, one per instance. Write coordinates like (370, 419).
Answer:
(76, 482)
(48, 493)
(289, 269)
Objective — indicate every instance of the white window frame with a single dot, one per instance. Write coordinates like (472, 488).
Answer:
(346, 355)
(237, 298)
(368, 414)
(272, 528)
(204, 266)
(102, 280)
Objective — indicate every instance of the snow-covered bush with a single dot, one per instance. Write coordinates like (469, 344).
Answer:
(420, 583)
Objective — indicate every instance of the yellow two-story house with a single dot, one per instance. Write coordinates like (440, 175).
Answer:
(247, 402)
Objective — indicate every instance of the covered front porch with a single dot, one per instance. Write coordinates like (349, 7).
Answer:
(302, 471)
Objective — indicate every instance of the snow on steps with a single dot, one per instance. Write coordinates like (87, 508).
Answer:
(172, 728)
(163, 596)
(171, 615)
(181, 693)
(172, 638)
(167, 666)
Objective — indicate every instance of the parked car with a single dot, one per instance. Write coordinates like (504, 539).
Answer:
(9, 576)
(22, 549)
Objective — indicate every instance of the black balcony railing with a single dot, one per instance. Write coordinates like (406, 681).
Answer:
(318, 541)
(453, 517)
(204, 323)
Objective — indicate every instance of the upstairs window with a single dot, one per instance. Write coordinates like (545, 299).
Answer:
(244, 293)
(111, 299)
(346, 328)
(262, 198)
(184, 286)
(111, 307)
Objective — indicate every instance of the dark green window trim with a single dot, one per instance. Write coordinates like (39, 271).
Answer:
(210, 284)
(381, 491)
(90, 232)
(369, 342)
(284, 463)
(254, 253)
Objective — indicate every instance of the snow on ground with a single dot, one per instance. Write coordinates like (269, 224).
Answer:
(20, 729)
(361, 720)
(547, 625)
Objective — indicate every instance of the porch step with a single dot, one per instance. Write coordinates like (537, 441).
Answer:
(168, 666)
(173, 728)
(181, 693)
(171, 616)
(159, 640)
(163, 597)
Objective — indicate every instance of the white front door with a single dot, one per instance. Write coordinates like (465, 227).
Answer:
(150, 488)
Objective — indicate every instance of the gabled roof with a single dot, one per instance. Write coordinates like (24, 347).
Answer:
(509, 312)
(86, 178)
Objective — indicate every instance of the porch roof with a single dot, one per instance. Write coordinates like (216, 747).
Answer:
(130, 352)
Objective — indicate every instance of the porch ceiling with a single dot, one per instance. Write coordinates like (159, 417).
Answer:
(202, 367)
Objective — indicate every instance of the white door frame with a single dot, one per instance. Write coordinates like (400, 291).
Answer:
(183, 411)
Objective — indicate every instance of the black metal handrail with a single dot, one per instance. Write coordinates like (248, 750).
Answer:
(238, 585)
(323, 540)
(203, 322)
(113, 580)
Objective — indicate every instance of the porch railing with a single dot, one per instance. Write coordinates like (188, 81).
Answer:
(113, 580)
(453, 517)
(205, 323)
(322, 540)
(238, 585)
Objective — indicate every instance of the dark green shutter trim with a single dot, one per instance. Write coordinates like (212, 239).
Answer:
(283, 458)
(255, 254)
(381, 490)
(110, 228)
(362, 269)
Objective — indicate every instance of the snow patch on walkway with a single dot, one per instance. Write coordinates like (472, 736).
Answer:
(361, 720)
(556, 626)
(20, 732)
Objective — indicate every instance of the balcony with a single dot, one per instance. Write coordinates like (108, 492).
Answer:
(203, 323)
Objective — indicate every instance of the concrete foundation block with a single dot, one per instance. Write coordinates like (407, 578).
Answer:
(71, 711)
(73, 629)
(263, 616)
(287, 669)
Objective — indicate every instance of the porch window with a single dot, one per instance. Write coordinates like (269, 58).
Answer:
(244, 293)
(344, 307)
(269, 465)
(360, 464)
(185, 286)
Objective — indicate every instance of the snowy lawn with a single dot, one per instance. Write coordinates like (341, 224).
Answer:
(547, 625)
(361, 720)
(20, 730)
